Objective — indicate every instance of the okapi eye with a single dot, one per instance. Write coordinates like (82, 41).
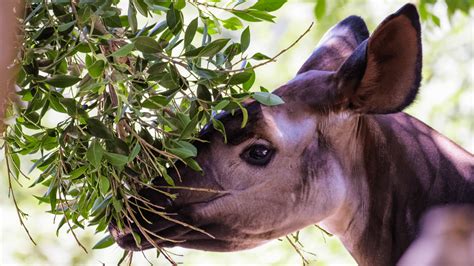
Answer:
(257, 155)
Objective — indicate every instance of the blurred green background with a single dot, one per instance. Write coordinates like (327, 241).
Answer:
(445, 103)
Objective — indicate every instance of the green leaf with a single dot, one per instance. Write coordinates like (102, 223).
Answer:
(141, 6)
(245, 115)
(124, 50)
(232, 23)
(268, 5)
(104, 184)
(249, 83)
(132, 17)
(193, 164)
(190, 127)
(147, 45)
(98, 129)
(219, 127)
(245, 39)
(95, 153)
(261, 15)
(260, 56)
(66, 26)
(116, 159)
(15, 159)
(183, 149)
(180, 4)
(107, 241)
(96, 69)
(267, 98)
(213, 48)
(203, 93)
(135, 151)
(168, 178)
(245, 16)
(156, 102)
(56, 104)
(239, 78)
(62, 81)
(77, 172)
(320, 9)
(174, 20)
(190, 32)
(221, 105)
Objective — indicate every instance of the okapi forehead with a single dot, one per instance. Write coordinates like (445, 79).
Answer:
(291, 131)
(232, 122)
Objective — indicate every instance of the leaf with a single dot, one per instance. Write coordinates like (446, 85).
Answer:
(98, 129)
(132, 17)
(190, 127)
(260, 56)
(168, 179)
(190, 32)
(221, 105)
(141, 6)
(174, 20)
(104, 184)
(77, 172)
(156, 102)
(147, 45)
(239, 78)
(15, 159)
(193, 164)
(183, 149)
(135, 151)
(219, 127)
(232, 23)
(56, 104)
(116, 159)
(261, 15)
(245, 16)
(180, 4)
(66, 26)
(96, 69)
(213, 48)
(107, 241)
(245, 39)
(267, 98)
(124, 50)
(249, 83)
(268, 5)
(62, 81)
(320, 9)
(203, 93)
(245, 116)
(95, 153)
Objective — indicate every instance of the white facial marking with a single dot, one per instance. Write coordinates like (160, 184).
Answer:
(289, 132)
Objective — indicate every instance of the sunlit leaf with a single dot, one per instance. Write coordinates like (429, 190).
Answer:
(107, 241)
(267, 98)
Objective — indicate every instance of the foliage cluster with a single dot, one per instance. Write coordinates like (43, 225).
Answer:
(129, 97)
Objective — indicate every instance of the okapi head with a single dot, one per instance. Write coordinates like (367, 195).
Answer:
(303, 162)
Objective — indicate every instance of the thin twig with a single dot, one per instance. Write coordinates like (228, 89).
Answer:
(274, 57)
(297, 249)
(19, 212)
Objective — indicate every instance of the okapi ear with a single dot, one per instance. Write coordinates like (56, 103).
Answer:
(384, 73)
(337, 45)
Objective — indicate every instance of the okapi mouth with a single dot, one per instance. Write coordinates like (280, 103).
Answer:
(162, 238)
(173, 228)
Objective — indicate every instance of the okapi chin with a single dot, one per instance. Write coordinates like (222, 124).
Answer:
(339, 152)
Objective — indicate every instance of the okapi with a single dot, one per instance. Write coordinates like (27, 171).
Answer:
(339, 153)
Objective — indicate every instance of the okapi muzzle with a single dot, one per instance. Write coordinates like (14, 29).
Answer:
(339, 153)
